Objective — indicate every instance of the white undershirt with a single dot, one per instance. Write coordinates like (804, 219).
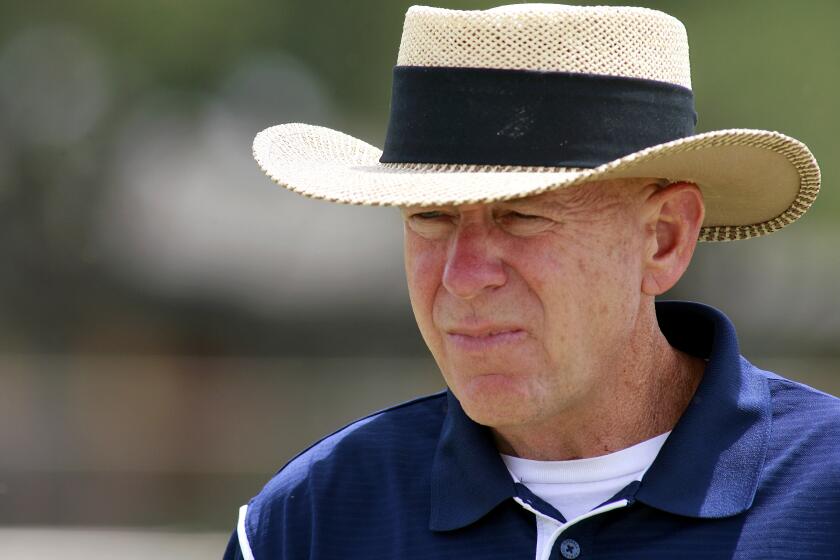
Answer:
(577, 486)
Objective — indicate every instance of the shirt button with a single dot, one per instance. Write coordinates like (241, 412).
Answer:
(570, 549)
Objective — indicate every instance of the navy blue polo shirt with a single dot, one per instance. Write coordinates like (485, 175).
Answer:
(751, 470)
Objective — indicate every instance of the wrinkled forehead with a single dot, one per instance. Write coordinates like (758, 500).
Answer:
(609, 192)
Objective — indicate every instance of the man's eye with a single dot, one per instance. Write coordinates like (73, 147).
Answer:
(431, 215)
(431, 224)
(524, 224)
(520, 216)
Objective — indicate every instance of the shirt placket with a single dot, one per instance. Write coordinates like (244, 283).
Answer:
(564, 540)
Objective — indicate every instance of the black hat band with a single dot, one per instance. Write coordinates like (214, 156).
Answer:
(524, 117)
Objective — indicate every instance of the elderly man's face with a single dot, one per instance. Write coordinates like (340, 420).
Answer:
(520, 301)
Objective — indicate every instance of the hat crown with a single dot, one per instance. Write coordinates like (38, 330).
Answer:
(601, 40)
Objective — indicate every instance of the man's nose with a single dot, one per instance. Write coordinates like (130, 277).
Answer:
(472, 263)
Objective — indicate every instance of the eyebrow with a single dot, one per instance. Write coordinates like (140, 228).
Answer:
(537, 203)
(528, 202)
(523, 202)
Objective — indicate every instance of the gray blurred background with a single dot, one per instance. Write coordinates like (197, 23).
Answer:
(174, 327)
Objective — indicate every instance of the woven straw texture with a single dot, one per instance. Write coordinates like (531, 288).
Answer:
(632, 42)
(754, 182)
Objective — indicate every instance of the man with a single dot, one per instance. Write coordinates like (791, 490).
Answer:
(551, 184)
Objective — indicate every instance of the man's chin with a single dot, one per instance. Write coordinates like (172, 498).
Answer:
(495, 401)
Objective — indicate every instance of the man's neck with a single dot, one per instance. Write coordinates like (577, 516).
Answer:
(644, 397)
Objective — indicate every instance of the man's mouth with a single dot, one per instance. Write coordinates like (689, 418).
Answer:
(471, 339)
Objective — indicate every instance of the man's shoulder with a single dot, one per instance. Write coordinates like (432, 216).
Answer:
(792, 399)
(805, 426)
(357, 472)
(381, 444)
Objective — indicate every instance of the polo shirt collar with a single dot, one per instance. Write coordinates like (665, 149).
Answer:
(709, 466)
(468, 476)
(711, 463)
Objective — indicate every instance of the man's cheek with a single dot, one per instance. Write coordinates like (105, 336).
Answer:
(421, 291)
(424, 270)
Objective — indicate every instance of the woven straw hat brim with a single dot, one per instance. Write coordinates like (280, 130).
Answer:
(754, 182)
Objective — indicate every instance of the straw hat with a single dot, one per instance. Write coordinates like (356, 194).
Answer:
(497, 104)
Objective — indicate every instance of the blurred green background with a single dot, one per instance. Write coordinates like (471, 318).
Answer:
(174, 327)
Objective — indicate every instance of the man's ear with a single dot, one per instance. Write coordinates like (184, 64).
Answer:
(673, 216)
